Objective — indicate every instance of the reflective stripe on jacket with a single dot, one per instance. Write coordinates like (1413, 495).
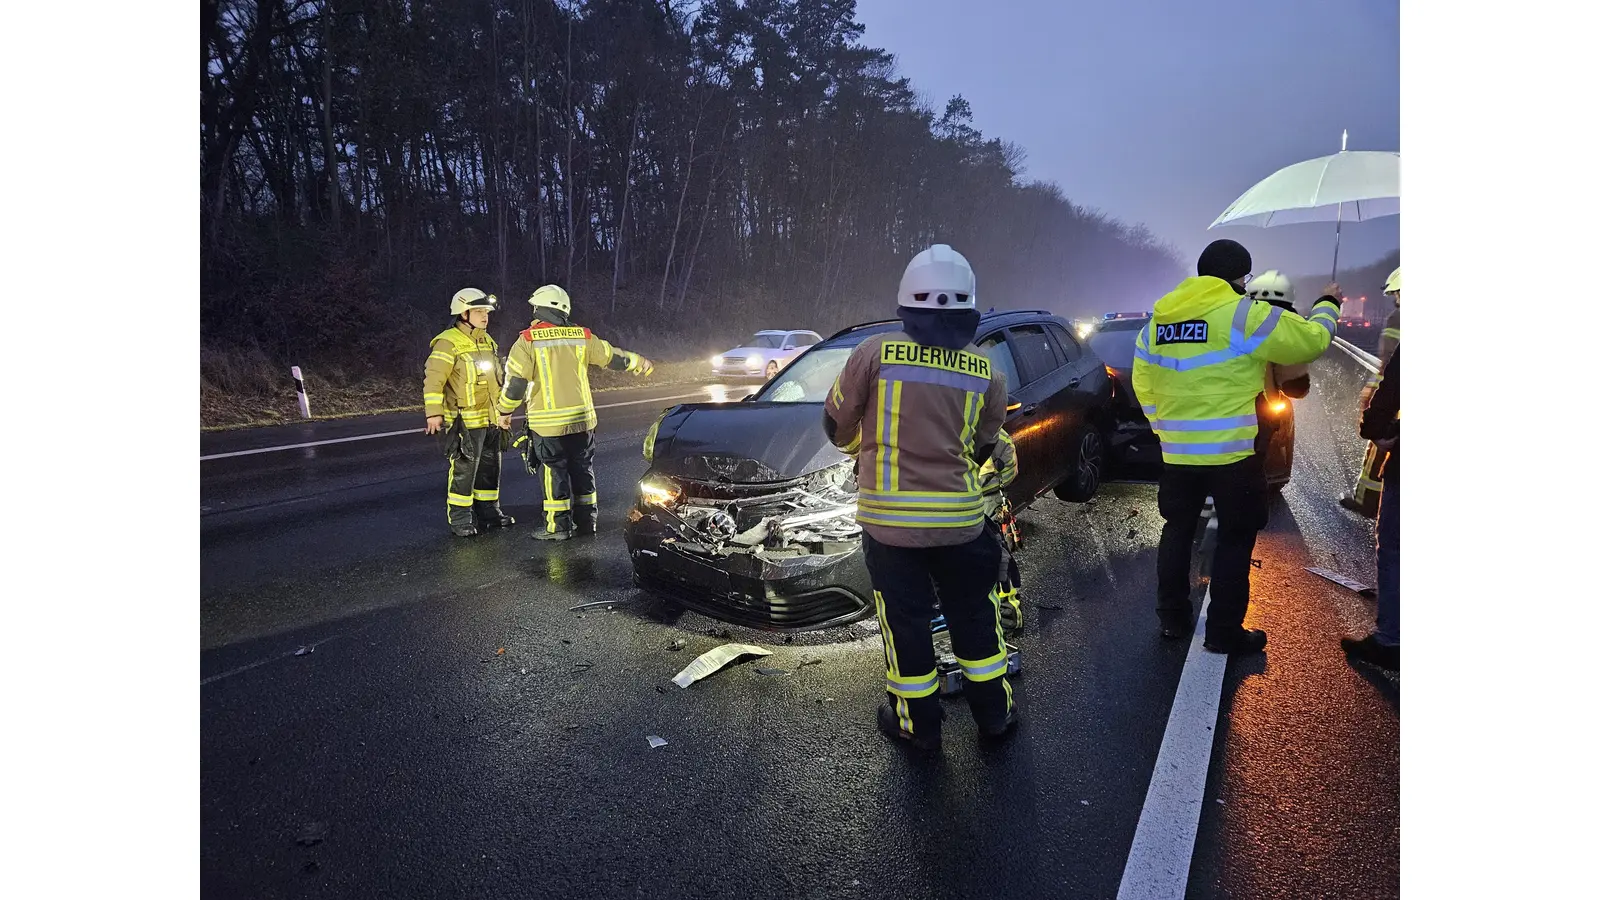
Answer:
(915, 416)
(1201, 362)
(998, 471)
(462, 376)
(550, 363)
(1387, 344)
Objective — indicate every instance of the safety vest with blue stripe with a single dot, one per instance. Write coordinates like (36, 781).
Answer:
(1200, 363)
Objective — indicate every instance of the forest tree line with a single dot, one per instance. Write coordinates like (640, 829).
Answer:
(687, 171)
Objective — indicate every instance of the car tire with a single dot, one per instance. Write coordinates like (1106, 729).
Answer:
(772, 370)
(1088, 469)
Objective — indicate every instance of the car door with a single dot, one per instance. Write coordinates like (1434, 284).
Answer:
(1090, 384)
(1050, 416)
(790, 349)
(1032, 464)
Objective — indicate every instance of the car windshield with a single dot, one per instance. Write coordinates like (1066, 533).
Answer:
(1113, 342)
(766, 341)
(808, 379)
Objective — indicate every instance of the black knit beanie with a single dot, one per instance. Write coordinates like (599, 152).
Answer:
(1225, 259)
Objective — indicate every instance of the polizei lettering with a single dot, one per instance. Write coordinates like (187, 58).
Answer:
(1192, 332)
(905, 353)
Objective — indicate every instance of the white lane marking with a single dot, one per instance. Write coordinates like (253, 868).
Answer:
(261, 662)
(1163, 843)
(369, 437)
(1367, 360)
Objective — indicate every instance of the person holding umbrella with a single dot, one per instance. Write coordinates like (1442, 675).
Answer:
(1197, 371)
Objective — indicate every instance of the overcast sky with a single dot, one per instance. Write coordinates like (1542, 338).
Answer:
(1165, 111)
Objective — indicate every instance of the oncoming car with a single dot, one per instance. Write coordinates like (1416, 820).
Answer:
(1135, 449)
(747, 512)
(764, 354)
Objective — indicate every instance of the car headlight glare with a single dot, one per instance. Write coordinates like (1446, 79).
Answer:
(754, 361)
(716, 360)
(658, 493)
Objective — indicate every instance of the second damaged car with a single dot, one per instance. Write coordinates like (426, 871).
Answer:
(747, 512)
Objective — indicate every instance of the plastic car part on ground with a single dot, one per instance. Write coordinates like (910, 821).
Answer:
(1344, 580)
(714, 660)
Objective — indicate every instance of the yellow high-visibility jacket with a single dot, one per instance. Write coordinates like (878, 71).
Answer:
(462, 376)
(550, 363)
(1201, 362)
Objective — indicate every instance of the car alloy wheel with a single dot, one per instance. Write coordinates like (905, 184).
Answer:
(1085, 480)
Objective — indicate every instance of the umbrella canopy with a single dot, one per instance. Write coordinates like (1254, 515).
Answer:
(1353, 185)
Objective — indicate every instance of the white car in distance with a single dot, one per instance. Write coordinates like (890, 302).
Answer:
(764, 355)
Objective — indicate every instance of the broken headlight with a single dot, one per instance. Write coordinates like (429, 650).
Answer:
(657, 492)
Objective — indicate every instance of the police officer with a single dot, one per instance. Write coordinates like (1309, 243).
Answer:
(461, 381)
(922, 409)
(1198, 368)
(549, 366)
(1369, 484)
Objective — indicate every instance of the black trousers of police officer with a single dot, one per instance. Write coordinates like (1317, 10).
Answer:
(1240, 492)
(908, 582)
(566, 465)
(474, 455)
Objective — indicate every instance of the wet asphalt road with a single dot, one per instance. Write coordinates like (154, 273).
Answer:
(456, 731)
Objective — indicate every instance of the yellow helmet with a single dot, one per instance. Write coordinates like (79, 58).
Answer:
(472, 298)
(552, 297)
(1392, 286)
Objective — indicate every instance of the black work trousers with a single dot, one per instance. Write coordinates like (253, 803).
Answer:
(474, 455)
(567, 466)
(1240, 492)
(907, 584)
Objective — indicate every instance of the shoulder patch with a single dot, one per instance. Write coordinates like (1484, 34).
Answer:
(1194, 331)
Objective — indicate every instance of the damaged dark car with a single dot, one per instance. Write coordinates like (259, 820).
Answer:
(747, 512)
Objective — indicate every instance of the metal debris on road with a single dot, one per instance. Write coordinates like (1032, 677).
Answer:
(592, 605)
(312, 833)
(713, 660)
(1344, 580)
(582, 667)
(656, 741)
(676, 645)
(761, 670)
(305, 651)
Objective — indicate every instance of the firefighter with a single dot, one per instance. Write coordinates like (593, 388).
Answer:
(461, 382)
(1369, 485)
(1283, 382)
(921, 409)
(1198, 369)
(549, 364)
(996, 475)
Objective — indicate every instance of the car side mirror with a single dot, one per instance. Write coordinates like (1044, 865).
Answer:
(747, 398)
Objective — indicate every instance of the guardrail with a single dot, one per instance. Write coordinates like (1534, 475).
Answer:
(1367, 360)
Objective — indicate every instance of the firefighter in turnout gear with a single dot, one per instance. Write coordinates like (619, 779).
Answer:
(1283, 382)
(1198, 369)
(549, 370)
(1369, 485)
(921, 409)
(461, 382)
(997, 474)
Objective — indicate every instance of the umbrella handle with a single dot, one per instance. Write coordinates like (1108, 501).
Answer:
(1337, 225)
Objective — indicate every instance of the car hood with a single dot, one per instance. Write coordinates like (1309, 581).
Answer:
(746, 351)
(743, 443)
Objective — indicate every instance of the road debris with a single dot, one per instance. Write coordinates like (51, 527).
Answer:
(713, 660)
(500, 652)
(582, 667)
(761, 670)
(1256, 563)
(592, 605)
(809, 661)
(1084, 802)
(1131, 513)
(1345, 581)
(1132, 533)
(656, 741)
(522, 672)
(676, 645)
(312, 833)
(306, 650)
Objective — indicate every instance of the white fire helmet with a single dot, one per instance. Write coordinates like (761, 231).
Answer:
(939, 278)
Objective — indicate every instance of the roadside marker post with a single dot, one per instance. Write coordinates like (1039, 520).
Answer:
(300, 391)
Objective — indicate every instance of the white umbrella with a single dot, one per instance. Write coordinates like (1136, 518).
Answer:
(1358, 184)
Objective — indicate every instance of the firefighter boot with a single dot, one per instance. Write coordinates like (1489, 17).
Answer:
(490, 515)
(461, 522)
(927, 736)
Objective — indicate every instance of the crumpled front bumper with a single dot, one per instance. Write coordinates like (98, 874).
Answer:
(752, 587)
